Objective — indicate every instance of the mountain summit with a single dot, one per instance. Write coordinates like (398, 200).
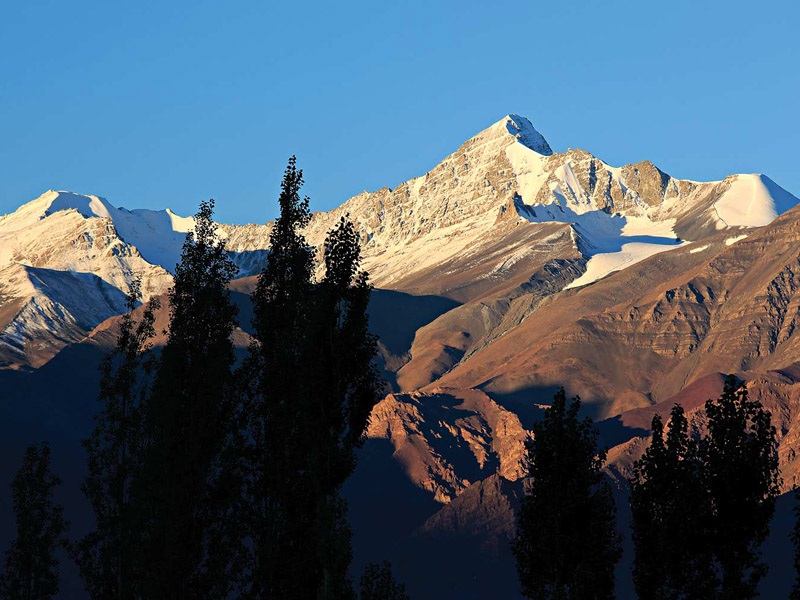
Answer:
(522, 129)
(489, 216)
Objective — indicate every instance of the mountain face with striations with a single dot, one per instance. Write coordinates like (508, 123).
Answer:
(503, 273)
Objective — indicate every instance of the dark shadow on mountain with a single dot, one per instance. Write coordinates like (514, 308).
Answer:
(527, 403)
(249, 262)
(613, 432)
(395, 317)
(464, 550)
(441, 411)
(439, 551)
(385, 507)
(778, 551)
(54, 403)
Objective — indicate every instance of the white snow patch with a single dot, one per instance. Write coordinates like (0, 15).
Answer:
(619, 242)
(601, 265)
(88, 206)
(158, 235)
(753, 201)
(529, 170)
(698, 249)
(733, 240)
(644, 226)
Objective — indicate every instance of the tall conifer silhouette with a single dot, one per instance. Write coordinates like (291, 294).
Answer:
(741, 469)
(31, 566)
(109, 556)
(566, 544)
(188, 419)
(670, 516)
(311, 386)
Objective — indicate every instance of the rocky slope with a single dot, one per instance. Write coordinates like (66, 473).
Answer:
(504, 272)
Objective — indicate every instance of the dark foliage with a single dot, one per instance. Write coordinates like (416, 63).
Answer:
(186, 501)
(310, 385)
(670, 514)
(741, 470)
(378, 583)
(701, 509)
(107, 556)
(566, 544)
(31, 567)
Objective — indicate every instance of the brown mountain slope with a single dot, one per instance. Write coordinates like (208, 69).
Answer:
(644, 333)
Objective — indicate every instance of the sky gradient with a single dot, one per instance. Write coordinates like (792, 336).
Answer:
(164, 104)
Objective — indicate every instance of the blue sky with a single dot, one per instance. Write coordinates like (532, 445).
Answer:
(155, 104)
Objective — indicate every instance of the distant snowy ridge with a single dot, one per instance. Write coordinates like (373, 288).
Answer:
(623, 213)
(503, 181)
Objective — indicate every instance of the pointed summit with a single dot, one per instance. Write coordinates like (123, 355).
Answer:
(522, 129)
(510, 129)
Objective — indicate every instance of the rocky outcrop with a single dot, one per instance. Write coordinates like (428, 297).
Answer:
(448, 439)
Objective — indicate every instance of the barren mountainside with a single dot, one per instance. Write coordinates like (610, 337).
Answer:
(503, 273)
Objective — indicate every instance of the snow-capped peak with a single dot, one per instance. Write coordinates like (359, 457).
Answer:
(88, 206)
(522, 129)
(752, 201)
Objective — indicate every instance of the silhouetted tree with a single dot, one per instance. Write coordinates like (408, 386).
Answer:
(701, 511)
(312, 387)
(31, 566)
(188, 419)
(378, 583)
(670, 516)
(107, 556)
(566, 544)
(274, 380)
(741, 468)
(347, 387)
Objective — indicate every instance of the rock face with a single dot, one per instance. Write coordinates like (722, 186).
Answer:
(447, 440)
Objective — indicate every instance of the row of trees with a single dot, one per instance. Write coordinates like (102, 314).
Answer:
(210, 479)
(700, 506)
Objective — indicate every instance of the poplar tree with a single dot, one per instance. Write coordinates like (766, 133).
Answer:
(31, 566)
(188, 419)
(311, 386)
(566, 544)
(701, 509)
(741, 469)
(670, 516)
(108, 556)
(345, 386)
(276, 390)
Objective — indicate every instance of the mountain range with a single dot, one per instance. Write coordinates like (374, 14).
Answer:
(506, 271)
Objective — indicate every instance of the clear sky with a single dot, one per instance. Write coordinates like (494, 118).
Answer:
(156, 104)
